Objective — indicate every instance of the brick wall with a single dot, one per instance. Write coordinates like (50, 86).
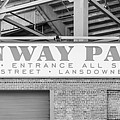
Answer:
(74, 99)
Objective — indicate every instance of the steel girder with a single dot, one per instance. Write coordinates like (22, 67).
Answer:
(108, 13)
(5, 10)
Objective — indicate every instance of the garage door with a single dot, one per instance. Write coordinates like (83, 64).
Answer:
(24, 105)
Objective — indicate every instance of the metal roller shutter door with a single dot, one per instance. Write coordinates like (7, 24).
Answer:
(24, 105)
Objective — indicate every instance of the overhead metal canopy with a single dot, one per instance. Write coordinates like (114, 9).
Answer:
(102, 21)
(46, 10)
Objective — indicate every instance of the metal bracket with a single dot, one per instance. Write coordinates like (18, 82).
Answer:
(57, 38)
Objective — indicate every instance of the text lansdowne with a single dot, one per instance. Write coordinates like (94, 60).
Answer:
(59, 59)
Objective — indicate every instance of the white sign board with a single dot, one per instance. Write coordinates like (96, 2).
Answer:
(56, 60)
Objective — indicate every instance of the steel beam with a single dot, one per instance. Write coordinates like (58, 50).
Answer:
(80, 18)
(21, 18)
(109, 14)
(4, 3)
(21, 26)
(48, 14)
(23, 6)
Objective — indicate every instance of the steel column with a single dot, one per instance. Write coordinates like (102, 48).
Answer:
(80, 17)
(0, 27)
(0, 19)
